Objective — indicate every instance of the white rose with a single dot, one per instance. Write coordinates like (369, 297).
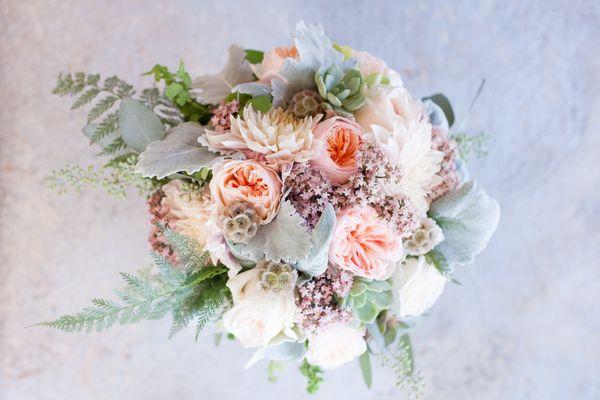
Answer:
(417, 285)
(385, 103)
(425, 238)
(334, 345)
(257, 316)
(399, 125)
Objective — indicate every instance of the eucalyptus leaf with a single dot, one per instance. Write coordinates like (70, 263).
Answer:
(179, 151)
(365, 367)
(468, 217)
(139, 125)
(213, 88)
(316, 262)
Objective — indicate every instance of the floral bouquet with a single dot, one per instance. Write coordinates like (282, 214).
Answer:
(301, 200)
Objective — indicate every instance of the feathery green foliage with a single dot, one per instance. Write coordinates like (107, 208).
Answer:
(177, 90)
(471, 145)
(401, 361)
(313, 374)
(208, 297)
(187, 250)
(273, 368)
(86, 88)
(114, 177)
(152, 297)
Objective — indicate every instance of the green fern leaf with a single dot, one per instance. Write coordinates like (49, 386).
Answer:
(85, 98)
(187, 249)
(109, 124)
(113, 147)
(101, 107)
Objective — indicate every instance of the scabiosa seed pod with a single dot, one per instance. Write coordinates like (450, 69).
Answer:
(306, 103)
(240, 223)
(276, 277)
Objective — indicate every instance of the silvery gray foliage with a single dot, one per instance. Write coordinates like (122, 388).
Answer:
(178, 151)
(283, 239)
(139, 125)
(316, 262)
(436, 115)
(286, 351)
(213, 88)
(315, 52)
(254, 89)
(468, 217)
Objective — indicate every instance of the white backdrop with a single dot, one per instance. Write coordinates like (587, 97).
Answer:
(524, 324)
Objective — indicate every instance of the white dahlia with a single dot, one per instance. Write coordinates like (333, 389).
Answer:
(397, 123)
(277, 135)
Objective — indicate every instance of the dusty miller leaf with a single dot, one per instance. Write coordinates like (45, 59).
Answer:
(468, 217)
(139, 125)
(316, 261)
(285, 238)
(315, 51)
(178, 151)
(252, 88)
(213, 88)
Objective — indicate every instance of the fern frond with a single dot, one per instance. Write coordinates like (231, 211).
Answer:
(85, 98)
(113, 147)
(187, 249)
(109, 124)
(213, 299)
(101, 107)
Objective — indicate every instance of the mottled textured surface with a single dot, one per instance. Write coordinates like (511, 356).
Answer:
(524, 324)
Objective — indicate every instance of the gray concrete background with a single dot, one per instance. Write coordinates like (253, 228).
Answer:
(524, 324)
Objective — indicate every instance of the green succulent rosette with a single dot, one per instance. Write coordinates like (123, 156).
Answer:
(367, 299)
(343, 92)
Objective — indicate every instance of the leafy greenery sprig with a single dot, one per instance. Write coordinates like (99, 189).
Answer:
(177, 90)
(400, 358)
(114, 177)
(200, 295)
(86, 88)
(313, 374)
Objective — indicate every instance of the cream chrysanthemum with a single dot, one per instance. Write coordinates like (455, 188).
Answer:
(278, 135)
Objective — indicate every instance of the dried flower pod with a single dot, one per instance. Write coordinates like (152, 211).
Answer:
(240, 223)
(276, 277)
(306, 103)
(424, 238)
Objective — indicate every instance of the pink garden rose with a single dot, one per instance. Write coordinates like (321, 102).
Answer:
(364, 244)
(247, 181)
(272, 62)
(337, 141)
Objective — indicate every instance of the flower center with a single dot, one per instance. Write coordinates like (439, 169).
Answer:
(248, 182)
(342, 146)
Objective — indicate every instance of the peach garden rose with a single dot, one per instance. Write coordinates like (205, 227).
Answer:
(364, 244)
(337, 142)
(247, 181)
(272, 62)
